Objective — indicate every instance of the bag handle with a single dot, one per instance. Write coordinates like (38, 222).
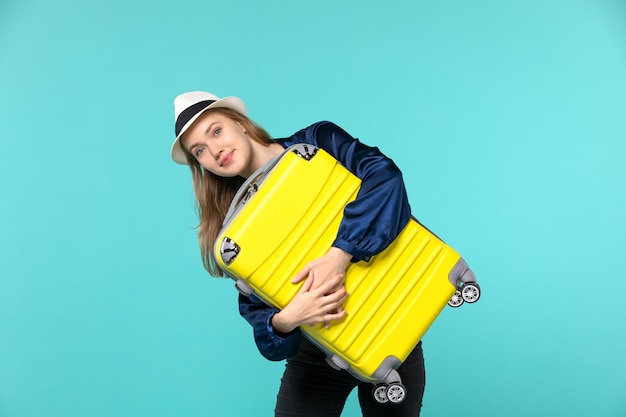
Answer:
(251, 185)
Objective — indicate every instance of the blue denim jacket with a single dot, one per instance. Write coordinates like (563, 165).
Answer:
(369, 224)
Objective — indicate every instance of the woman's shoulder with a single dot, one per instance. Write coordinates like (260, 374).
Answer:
(310, 134)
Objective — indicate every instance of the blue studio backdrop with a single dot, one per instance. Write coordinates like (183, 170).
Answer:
(506, 117)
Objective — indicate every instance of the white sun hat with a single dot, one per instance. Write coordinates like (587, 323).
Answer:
(189, 106)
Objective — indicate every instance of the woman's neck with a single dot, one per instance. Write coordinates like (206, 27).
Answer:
(262, 154)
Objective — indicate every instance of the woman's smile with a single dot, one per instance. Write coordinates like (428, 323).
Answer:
(227, 159)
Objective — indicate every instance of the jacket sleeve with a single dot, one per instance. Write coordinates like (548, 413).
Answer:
(381, 209)
(272, 345)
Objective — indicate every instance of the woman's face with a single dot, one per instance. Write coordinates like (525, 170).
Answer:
(220, 145)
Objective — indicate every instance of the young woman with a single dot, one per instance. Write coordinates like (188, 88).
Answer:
(223, 147)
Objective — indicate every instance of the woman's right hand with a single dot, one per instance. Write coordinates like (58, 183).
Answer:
(312, 305)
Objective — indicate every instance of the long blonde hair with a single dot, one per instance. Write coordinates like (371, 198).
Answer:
(214, 193)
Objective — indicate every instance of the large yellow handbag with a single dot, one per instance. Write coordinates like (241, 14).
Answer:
(288, 214)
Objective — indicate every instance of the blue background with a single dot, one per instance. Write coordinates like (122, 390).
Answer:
(507, 118)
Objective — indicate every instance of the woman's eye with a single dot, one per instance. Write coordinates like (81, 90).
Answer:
(199, 151)
(217, 131)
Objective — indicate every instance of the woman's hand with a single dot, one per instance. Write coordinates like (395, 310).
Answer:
(312, 305)
(322, 270)
(325, 274)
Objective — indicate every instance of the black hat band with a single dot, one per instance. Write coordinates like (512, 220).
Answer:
(187, 114)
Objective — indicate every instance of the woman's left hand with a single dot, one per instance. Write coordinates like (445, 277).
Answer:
(323, 269)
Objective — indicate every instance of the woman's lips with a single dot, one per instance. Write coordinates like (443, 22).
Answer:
(226, 159)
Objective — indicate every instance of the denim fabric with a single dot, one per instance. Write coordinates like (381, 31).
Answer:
(310, 387)
(273, 346)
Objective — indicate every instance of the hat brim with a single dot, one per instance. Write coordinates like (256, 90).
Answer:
(233, 103)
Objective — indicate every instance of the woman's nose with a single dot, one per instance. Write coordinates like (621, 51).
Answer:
(215, 150)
